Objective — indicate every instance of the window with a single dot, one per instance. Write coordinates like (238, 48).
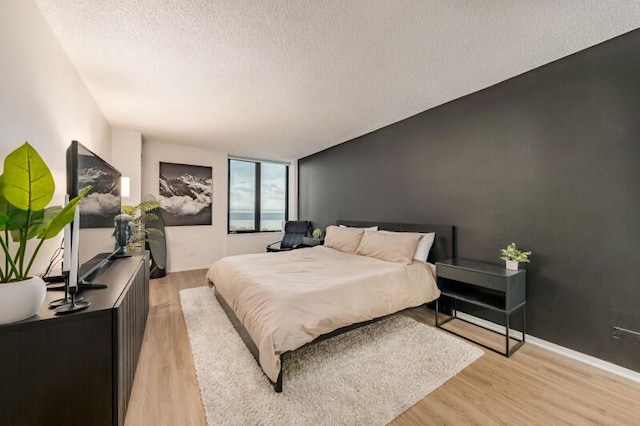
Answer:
(258, 195)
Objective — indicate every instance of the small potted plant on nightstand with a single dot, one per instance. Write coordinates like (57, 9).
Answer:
(513, 256)
(316, 239)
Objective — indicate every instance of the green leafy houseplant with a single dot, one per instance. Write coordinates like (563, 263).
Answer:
(512, 253)
(26, 188)
(317, 233)
(141, 214)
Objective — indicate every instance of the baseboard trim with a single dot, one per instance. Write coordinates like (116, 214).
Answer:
(570, 353)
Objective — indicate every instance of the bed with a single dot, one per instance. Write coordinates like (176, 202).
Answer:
(279, 302)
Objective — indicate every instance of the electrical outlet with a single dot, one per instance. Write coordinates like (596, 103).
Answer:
(620, 333)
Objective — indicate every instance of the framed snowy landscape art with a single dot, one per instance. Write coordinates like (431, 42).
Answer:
(100, 207)
(186, 194)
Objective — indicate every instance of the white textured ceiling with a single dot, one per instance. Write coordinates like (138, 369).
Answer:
(284, 79)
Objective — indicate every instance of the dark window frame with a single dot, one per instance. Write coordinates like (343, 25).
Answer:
(258, 194)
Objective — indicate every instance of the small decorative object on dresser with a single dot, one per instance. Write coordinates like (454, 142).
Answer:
(512, 256)
(123, 233)
(26, 187)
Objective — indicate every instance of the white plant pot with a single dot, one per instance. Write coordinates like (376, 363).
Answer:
(21, 300)
(512, 265)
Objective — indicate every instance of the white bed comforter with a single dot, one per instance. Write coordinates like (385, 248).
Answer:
(287, 299)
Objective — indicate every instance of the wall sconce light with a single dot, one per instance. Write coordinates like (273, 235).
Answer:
(125, 186)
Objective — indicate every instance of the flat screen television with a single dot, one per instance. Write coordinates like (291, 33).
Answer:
(98, 208)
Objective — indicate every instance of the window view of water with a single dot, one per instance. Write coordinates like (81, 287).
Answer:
(244, 220)
(272, 187)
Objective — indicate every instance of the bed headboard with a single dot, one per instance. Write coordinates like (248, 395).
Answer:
(443, 247)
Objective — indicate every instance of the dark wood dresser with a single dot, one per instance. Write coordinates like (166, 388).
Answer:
(77, 369)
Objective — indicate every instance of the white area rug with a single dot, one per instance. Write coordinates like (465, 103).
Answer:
(367, 376)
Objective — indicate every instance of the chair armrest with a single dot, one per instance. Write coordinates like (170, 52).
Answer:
(270, 247)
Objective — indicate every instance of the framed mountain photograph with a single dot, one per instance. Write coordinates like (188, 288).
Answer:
(100, 207)
(186, 194)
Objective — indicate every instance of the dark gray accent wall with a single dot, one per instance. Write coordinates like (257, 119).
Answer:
(549, 159)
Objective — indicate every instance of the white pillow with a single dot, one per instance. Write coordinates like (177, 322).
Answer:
(424, 244)
(371, 228)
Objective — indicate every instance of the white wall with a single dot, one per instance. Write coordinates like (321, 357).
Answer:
(250, 243)
(126, 156)
(189, 247)
(196, 247)
(43, 100)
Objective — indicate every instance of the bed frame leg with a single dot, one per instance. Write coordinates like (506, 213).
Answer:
(277, 386)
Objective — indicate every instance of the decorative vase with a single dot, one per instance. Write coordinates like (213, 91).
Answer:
(512, 265)
(21, 300)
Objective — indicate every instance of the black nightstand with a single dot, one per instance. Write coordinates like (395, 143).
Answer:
(485, 285)
(311, 242)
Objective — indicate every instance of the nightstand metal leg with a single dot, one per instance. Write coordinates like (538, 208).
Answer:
(440, 323)
(506, 350)
(524, 323)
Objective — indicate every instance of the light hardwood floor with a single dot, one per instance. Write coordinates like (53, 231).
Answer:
(534, 386)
